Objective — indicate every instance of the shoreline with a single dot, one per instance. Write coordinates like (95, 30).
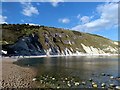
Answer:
(40, 56)
(15, 76)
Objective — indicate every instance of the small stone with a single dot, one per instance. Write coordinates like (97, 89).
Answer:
(68, 81)
(83, 82)
(58, 84)
(103, 84)
(111, 77)
(69, 85)
(103, 87)
(103, 74)
(34, 79)
(90, 80)
(63, 81)
(71, 80)
(108, 75)
(50, 77)
(117, 87)
(41, 81)
(117, 78)
(58, 87)
(65, 78)
(53, 78)
(47, 76)
(95, 85)
(77, 83)
(112, 85)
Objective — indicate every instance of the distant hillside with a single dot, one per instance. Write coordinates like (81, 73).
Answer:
(25, 39)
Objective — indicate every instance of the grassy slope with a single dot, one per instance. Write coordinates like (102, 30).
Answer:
(11, 33)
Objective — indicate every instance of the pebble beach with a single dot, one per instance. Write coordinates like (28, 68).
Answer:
(14, 76)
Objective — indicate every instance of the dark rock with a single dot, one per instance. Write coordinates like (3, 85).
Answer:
(90, 80)
(26, 46)
(103, 74)
(112, 85)
(108, 75)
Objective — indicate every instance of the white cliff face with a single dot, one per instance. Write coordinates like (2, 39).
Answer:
(116, 43)
(68, 52)
(58, 51)
(109, 48)
(62, 53)
(96, 50)
(71, 49)
(92, 50)
(88, 50)
(101, 51)
(48, 51)
(78, 53)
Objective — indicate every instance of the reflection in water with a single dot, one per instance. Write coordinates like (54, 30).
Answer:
(82, 67)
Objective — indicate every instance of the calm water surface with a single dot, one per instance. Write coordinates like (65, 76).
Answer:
(80, 68)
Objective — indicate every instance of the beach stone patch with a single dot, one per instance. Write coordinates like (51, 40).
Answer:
(73, 82)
